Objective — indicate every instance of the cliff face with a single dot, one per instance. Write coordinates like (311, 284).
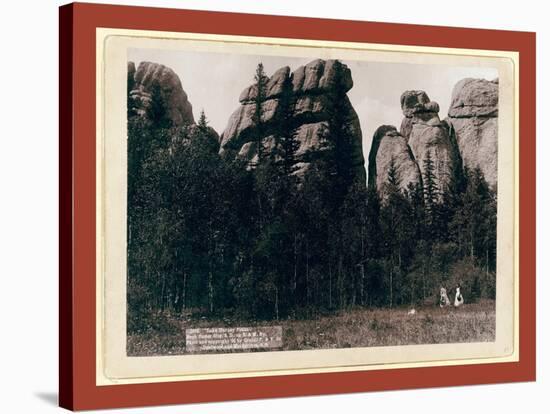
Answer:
(389, 146)
(155, 94)
(428, 136)
(473, 117)
(313, 100)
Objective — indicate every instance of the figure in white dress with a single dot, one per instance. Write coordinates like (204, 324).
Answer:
(459, 299)
(443, 298)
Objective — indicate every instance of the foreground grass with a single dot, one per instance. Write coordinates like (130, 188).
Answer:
(353, 328)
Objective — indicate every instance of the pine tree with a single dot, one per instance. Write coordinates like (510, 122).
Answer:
(260, 87)
(431, 197)
(355, 238)
(204, 135)
(415, 196)
(203, 123)
(373, 224)
(286, 142)
(398, 232)
(451, 200)
(392, 186)
(340, 178)
(474, 223)
(338, 156)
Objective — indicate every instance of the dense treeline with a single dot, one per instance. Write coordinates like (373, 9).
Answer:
(208, 233)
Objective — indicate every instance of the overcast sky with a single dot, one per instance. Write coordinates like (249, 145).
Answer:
(214, 81)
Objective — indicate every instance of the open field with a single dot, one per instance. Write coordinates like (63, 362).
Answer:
(353, 328)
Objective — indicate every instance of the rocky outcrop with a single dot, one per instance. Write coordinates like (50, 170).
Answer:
(428, 136)
(312, 100)
(390, 147)
(468, 137)
(416, 107)
(474, 97)
(422, 135)
(156, 95)
(473, 118)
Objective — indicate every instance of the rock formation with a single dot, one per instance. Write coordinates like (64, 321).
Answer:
(155, 94)
(389, 146)
(313, 99)
(473, 117)
(416, 107)
(427, 134)
(422, 133)
(468, 137)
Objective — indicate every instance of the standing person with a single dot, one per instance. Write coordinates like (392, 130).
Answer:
(459, 299)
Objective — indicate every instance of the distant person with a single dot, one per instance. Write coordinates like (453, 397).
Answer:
(459, 299)
(443, 298)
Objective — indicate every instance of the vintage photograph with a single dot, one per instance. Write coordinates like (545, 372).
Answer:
(279, 203)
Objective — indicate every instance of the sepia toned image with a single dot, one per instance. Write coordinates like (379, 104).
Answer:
(256, 206)
(286, 203)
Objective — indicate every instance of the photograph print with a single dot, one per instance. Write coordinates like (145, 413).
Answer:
(279, 203)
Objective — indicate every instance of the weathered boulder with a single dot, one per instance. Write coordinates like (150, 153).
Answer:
(474, 97)
(155, 94)
(473, 121)
(416, 107)
(426, 134)
(322, 76)
(417, 102)
(390, 147)
(312, 101)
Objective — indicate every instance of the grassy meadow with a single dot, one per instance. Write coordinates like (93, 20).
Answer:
(352, 328)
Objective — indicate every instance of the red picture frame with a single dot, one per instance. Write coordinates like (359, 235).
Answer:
(77, 199)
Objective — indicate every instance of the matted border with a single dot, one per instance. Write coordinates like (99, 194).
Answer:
(78, 23)
(115, 367)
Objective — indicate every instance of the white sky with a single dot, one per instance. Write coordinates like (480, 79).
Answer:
(214, 81)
